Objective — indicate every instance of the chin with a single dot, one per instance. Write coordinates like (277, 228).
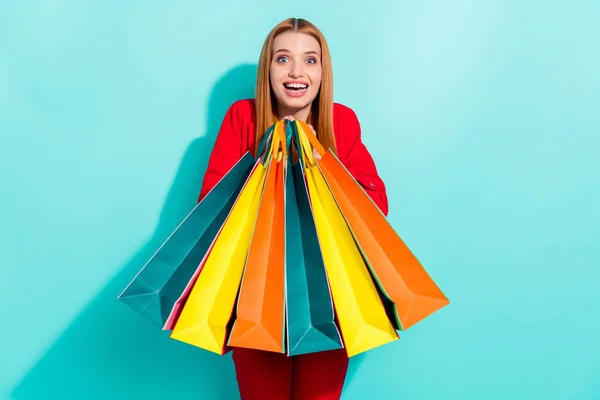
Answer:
(298, 103)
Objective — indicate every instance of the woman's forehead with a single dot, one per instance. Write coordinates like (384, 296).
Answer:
(296, 42)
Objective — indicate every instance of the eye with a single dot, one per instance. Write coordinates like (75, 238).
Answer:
(282, 58)
(311, 60)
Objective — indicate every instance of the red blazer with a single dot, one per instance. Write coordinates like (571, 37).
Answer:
(237, 136)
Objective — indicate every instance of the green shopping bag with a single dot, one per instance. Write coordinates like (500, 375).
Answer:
(310, 313)
(158, 286)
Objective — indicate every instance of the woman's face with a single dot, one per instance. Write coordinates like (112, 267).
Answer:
(295, 70)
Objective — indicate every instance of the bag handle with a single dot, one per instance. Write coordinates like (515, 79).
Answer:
(304, 128)
(266, 142)
(283, 140)
(304, 146)
(272, 144)
(305, 155)
(292, 137)
(279, 145)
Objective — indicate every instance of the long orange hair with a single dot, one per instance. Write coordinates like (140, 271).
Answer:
(321, 113)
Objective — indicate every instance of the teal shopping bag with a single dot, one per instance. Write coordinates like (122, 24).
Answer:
(310, 313)
(158, 286)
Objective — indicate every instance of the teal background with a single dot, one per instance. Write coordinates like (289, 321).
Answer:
(483, 118)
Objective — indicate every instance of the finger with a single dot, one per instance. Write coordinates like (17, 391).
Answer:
(317, 155)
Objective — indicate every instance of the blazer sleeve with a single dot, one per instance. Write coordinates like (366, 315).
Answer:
(226, 151)
(360, 163)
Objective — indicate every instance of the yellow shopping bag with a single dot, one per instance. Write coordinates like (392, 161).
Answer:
(362, 318)
(205, 317)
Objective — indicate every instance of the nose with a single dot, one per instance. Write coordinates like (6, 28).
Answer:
(296, 69)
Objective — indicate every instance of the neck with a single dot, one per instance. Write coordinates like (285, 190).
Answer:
(300, 114)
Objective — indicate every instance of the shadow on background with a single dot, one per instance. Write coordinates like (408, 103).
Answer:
(109, 352)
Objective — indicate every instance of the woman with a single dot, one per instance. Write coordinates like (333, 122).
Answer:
(295, 82)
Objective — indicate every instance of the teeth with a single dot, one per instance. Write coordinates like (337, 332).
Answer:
(296, 85)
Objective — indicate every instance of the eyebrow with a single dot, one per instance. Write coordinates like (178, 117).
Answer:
(306, 52)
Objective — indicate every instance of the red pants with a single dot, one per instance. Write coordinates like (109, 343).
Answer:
(263, 375)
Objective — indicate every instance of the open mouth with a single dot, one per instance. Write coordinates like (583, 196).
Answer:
(295, 88)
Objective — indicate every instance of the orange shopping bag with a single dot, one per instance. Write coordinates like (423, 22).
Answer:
(400, 276)
(260, 312)
(362, 318)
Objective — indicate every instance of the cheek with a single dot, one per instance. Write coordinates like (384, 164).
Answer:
(315, 78)
(275, 76)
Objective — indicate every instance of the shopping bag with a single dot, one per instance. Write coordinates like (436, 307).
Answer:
(361, 315)
(259, 322)
(155, 289)
(402, 279)
(176, 311)
(205, 317)
(310, 315)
